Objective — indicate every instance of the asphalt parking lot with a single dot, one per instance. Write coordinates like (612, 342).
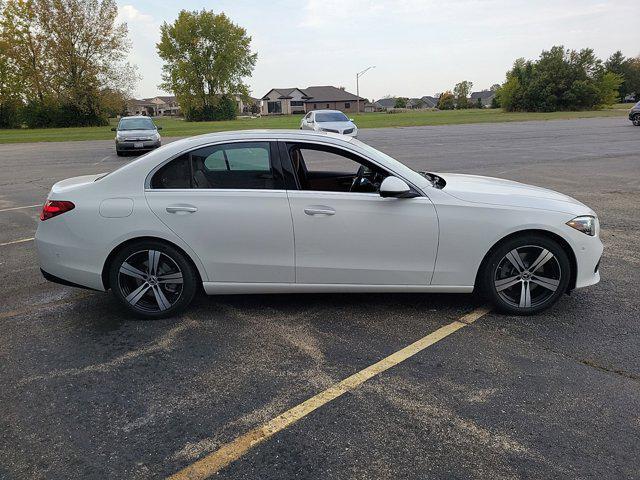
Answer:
(87, 393)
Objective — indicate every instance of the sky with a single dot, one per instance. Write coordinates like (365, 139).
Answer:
(418, 47)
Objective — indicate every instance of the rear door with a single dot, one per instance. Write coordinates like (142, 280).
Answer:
(228, 202)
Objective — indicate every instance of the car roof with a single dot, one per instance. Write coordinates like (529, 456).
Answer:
(268, 134)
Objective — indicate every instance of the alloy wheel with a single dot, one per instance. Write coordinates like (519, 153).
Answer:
(527, 276)
(150, 281)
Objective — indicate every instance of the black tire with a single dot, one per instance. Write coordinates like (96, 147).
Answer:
(521, 290)
(158, 295)
(636, 120)
(119, 153)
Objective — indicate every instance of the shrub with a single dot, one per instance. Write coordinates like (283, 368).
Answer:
(40, 115)
(225, 109)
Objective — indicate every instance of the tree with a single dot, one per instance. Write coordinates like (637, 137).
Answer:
(446, 101)
(559, 80)
(629, 70)
(461, 93)
(401, 102)
(67, 53)
(206, 57)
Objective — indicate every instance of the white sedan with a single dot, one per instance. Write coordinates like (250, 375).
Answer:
(290, 211)
(332, 121)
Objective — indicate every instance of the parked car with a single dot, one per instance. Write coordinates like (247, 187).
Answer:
(136, 134)
(634, 114)
(333, 121)
(289, 211)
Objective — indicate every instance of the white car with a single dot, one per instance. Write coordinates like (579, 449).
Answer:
(289, 211)
(332, 121)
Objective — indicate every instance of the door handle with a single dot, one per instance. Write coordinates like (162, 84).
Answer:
(181, 208)
(319, 210)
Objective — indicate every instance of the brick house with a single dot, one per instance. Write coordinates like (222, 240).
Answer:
(286, 101)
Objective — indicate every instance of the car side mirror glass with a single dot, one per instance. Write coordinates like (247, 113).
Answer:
(113, 129)
(351, 119)
(158, 128)
(396, 187)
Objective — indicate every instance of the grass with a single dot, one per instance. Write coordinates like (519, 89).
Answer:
(173, 127)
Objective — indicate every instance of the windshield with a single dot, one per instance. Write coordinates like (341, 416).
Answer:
(136, 124)
(331, 117)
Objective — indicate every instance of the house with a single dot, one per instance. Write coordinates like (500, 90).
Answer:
(154, 107)
(430, 102)
(370, 107)
(485, 96)
(286, 101)
(386, 103)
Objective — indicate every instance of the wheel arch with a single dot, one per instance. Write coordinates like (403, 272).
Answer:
(553, 236)
(117, 248)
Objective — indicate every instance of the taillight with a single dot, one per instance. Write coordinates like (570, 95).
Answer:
(53, 208)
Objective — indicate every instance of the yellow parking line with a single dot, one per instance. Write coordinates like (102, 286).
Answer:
(17, 241)
(19, 208)
(235, 449)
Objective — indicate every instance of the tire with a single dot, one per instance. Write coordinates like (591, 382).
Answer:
(509, 282)
(119, 153)
(152, 294)
(636, 120)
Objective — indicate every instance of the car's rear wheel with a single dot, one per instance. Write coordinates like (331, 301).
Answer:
(525, 275)
(152, 279)
(636, 120)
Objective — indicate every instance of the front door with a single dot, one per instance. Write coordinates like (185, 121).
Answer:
(228, 202)
(345, 233)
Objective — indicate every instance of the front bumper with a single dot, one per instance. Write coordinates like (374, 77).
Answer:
(128, 146)
(588, 252)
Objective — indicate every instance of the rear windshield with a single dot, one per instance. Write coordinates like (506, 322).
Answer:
(136, 124)
(331, 117)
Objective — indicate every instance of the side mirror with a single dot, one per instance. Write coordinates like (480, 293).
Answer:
(395, 187)
(158, 128)
(113, 129)
(310, 120)
(351, 119)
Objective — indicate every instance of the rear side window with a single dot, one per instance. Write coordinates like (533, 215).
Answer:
(246, 165)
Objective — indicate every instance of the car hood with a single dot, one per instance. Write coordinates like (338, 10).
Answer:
(336, 125)
(497, 191)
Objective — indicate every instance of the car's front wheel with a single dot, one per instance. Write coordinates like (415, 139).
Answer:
(152, 279)
(525, 275)
(636, 120)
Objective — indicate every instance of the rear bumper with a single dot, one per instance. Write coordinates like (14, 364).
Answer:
(62, 281)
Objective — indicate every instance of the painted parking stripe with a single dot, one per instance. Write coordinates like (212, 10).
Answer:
(232, 451)
(22, 240)
(19, 208)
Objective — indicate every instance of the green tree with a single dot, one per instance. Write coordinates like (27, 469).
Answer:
(559, 80)
(629, 70)
(446, 101)
(67, 53)
(401, 102)
(461, 92)
(206, 57)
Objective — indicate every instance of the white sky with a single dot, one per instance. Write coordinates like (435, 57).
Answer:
(419, 47)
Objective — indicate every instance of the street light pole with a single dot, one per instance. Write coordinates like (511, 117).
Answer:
(358, 75)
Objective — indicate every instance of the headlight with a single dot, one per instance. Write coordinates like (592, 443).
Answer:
(586, 224)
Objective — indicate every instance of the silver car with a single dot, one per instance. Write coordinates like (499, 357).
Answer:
(136, 134)
(329, 121)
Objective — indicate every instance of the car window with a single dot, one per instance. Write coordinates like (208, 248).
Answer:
(245, 165)
(136, 124)
(322, 117)
(175, 174)
(329, 169)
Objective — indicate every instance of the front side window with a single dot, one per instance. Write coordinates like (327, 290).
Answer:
(328, 169)
(245, 165)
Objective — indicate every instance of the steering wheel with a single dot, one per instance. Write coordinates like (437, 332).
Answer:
(358, 178)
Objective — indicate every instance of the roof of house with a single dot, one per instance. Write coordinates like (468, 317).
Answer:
(134, 101)
(430, 101)
(485, 94)
(284, 92)
(387, 102)
(328, 93)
